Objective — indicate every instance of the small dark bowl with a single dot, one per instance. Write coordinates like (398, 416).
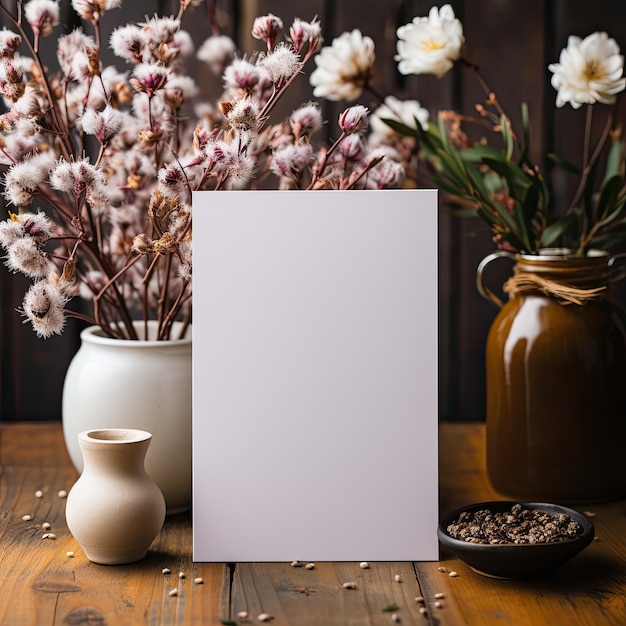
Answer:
(516, 560)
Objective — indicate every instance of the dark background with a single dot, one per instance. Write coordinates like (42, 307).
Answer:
(513, 41)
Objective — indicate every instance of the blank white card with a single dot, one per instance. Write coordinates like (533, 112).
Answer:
(315, 376)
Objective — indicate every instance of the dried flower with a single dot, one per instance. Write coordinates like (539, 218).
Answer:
(113, 219)
(354, 119)
(267, 28)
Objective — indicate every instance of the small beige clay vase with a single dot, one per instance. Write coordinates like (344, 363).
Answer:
(114, 510)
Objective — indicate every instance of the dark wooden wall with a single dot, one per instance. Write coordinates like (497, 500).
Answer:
(512, 40)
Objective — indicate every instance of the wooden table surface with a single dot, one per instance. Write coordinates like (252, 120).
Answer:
(40, 585)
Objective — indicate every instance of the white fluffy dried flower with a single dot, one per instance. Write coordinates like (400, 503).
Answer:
(280, 64)
(291, 161)
(42, 15)
(25, 256)
(43, 306)
(129, 42)
(104, 125)
(218, 52)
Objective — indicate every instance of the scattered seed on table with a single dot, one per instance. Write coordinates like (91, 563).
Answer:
(242, 614)
(296, 564)
(419, 599)
(46, 526)
(349, 585)
(69, 554)
(181, 575)
(364, 565)
(395, 618)
(423, 610)
(441, 569)
(264, 617)
(62, 493)
(398, 578)
(27, 518)
(453, 574)
(48, 536)
(309, 566)
(166, 570)
(439, 596)
(38, 493)
(198, 581)
(596, 538)
(438, 605)
(590, 514)
(173, 592)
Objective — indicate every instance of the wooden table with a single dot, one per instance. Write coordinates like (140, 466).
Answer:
(41, 585)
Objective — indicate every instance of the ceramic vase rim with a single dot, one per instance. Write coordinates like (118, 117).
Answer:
(562, 254)
(95, 335)
(114, 436)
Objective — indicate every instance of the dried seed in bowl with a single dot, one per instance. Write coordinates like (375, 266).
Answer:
(518, 526)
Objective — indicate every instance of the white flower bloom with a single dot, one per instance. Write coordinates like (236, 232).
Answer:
(267, 28)
(43, 306)
(344, 68)
(148, 78)
(405, 111)
(388, 174)
(589, 70)
(430, 45)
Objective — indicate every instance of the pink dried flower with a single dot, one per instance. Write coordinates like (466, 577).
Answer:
(354, 119)
(129, 42)
(292, 160)
(218, 53)
(43, 306)
(26, 257)
(241, 74)
(72, 53)
(306, 120)
(267, 28)
(104, 125)
(306, 33)
(92, 10)
(148, 78)
(43, 16)
(23, 178)
(9, 42)
(281, 63)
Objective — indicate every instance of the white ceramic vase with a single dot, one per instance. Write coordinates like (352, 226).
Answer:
(114, 510)
(146, 385)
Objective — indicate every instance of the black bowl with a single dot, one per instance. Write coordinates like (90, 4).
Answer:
(516, 560)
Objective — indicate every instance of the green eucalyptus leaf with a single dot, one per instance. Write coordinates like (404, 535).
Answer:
(608, 196)
(614, 161)
(401, 128)
(507, 136)
(562, 226)
(564, 164)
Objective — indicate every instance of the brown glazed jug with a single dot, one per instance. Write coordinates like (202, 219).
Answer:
(556, 380)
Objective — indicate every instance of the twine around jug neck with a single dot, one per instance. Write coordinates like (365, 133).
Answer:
(525, 282)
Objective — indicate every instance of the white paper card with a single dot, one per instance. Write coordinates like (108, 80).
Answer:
(315, 376)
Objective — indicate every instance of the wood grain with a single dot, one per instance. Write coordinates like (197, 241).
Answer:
(42, 586)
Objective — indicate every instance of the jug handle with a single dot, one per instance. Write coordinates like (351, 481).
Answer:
(484, 291)
(618, 271)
